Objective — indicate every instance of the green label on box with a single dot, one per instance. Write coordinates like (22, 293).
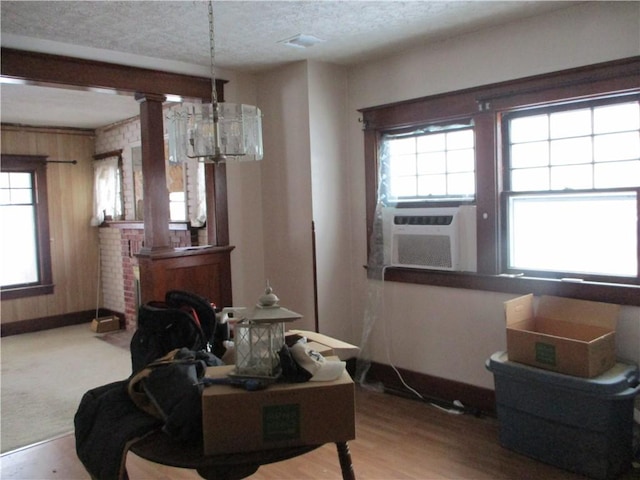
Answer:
(280, 422)
(545, 353)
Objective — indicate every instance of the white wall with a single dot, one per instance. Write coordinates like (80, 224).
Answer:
(330, 194)
(578, 35)
(445, 332)
(286, 189)
(303, 172)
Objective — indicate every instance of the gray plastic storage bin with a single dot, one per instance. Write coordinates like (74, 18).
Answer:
(584, 425)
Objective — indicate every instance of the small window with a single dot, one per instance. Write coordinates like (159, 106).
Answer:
(433, 164)
(572, 184)
(19, 238)
(26, 263)
(176, 185)
(107, 188)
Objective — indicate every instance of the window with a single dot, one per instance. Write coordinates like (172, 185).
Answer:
(175, 176)
(436, 163)
(571, 189)
(593, 147)
(552, 165)
(26, 263)
(583, 234)
(107, 187)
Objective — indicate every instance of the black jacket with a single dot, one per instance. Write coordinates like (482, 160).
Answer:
(106, 423)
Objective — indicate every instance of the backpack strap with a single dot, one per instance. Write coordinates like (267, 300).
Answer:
(139, 394)
(170, 389)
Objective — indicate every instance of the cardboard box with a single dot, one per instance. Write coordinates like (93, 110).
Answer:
(574, 337)
(327, 345)
(324, 350)
(105, 324)
(282, 415)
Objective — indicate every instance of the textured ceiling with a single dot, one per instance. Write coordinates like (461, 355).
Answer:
(248, 37)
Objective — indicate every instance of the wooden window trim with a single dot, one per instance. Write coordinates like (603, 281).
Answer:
(485, 105)
(38, 165)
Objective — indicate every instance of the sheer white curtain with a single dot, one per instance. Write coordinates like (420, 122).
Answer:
(106, 190)
(201, 198)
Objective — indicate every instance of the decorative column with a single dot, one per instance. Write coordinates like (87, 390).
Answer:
(205, 271)
(217, 212)
(154, 178)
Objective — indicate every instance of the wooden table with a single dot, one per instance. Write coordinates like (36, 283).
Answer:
(160, 448)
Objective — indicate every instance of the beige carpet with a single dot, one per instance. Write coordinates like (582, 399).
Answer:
(43, 376)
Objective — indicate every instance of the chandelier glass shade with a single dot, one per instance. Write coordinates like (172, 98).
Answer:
(215, 132)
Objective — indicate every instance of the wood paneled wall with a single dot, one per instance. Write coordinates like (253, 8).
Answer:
(74, 243)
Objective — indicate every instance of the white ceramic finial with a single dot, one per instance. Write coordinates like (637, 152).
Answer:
(269, 299)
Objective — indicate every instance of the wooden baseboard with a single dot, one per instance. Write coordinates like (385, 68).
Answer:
(56, 321)
(442, 392)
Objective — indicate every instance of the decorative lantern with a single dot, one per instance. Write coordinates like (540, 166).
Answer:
(260, 336)
(257, 345)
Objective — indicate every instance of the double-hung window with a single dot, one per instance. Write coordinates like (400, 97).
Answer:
(571, 189)
(24, 247)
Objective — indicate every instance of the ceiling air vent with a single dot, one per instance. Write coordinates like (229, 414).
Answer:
(302, 41)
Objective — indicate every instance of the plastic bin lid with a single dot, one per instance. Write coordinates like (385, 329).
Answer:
(621, 380)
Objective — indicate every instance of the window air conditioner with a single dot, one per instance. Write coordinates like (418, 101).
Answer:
(438, 238)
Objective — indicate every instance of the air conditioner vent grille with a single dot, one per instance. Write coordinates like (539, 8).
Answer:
(437, 238)
(423, 219)
(433, 251)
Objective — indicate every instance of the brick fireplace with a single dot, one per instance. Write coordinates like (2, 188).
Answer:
(120, 242)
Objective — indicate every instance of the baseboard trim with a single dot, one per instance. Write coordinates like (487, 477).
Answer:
(55, 321)
(440, 391)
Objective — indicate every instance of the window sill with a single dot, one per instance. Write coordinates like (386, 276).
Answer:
(621, 294)
(24, 292)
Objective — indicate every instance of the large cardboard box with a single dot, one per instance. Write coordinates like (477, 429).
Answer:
(282, 415)
(574, 337)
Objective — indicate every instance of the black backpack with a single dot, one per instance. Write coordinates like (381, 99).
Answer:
(183, 320)
(169, 389)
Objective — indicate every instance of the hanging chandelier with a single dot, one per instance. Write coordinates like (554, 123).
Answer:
(215, 132)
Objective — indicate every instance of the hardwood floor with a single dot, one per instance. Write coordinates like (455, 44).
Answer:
(397, 438)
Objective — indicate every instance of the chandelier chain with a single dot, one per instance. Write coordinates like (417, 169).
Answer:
(214, 132)
(214, 94)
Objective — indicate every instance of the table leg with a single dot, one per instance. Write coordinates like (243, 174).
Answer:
(345, 461)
